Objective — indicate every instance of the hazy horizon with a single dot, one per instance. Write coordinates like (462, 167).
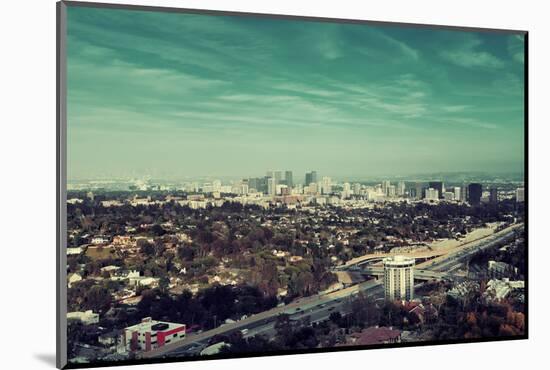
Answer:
(176, 95)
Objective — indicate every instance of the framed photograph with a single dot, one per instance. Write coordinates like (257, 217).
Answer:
(234, 184)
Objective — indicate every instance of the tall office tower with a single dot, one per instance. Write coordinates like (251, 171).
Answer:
(465, 195)
(437, 185)
(520, 195)
(449, 196)
(327, 185)
(288, 179)
(346, 190)
(419, 186)
(474, 193)
(216, 185)
(271, 186)
(275, 175)
(311, 177)
(357, 189)
(254, 183)
(401, 188)
(262, 184)
(385, 186)
(493, 195)
(243, 188)
(391, 191)
(431, 194)
(457, 193)
(312, 188)
(278, 177)
(398, 278)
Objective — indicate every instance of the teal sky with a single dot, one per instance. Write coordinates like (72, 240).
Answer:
(174, 95)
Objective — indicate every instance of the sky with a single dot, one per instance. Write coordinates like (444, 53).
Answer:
(173, 95)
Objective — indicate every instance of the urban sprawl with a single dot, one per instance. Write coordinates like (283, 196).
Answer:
(209, 267)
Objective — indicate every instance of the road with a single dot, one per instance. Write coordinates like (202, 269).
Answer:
(319, 307)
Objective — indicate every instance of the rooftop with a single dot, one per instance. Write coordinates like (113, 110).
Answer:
(376, 335)
(148, 324)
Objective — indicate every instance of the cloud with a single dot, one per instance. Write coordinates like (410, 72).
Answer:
(471, 122)
(516, 48)
(405, 49)
(305, 89)
(455, 108)
(468, 55)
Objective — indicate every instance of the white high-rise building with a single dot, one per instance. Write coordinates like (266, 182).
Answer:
(327, 185)
(431, 194)
(398, 278)
(385, 186)
(271, 185)
(312, 189)
(346, 191)
(457, 193)
(216, 185)
(520, 195)
(391, 191)
(357, 189)
(401, 188)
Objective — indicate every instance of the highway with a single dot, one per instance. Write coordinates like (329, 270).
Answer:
(319, 307)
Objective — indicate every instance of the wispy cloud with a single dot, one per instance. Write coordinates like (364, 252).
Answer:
(516, 47)
(470, 55)
(471, 122)
(455, 108)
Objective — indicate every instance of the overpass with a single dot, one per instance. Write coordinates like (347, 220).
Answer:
(425, 275)
(379, 256)
(452, 246)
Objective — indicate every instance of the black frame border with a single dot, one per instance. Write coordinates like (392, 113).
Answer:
(61, 185)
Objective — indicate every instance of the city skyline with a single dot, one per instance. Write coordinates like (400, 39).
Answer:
(146, 98)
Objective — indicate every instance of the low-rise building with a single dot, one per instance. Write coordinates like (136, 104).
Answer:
(73, 278)
(375, 335)
(501, 269)
(86, 317)
(74, 251)
(150, 334)
(500, 289)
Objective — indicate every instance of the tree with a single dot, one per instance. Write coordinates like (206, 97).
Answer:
(97, 299)
(146, 248)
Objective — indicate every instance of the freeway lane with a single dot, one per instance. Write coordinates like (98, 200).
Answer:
(443, 263)
(319, 312)
(263, 318)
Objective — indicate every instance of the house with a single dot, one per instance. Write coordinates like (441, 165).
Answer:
(500, 289)
(73, 278)
(424, 313)
(86, 317)
(74, 251)
(294, 259)
(110, 268)
(99, 240)
(109, 339)
(375, 335)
